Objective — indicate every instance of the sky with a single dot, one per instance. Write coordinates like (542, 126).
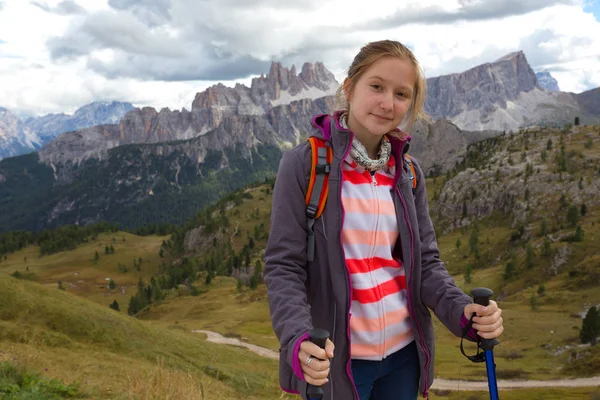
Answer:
(57, 55)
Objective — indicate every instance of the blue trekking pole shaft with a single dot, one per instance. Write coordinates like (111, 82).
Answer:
(482, 296)
(318, 337)
(491, 374)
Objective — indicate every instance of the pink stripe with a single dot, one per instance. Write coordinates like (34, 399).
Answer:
(373, 238)
(360, 324)
(370, 350)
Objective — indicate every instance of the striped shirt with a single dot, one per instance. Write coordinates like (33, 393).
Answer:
(380, 322)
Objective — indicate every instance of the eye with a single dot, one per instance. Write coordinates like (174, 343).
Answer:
(376, 86)
(401, 95)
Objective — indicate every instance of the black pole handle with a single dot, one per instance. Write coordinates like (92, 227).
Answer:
(482, 296)
(319, 337)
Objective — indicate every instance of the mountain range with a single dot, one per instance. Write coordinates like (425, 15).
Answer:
(165, 165)
(23, 136)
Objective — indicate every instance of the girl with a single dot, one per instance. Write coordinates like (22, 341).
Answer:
(376, 270)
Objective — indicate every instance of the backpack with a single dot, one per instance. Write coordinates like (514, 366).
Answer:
(318, 186)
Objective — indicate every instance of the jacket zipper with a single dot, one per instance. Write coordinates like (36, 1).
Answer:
(410, 303)
(372, 254)
(348, 281)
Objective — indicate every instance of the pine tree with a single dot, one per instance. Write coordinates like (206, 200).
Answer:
(96, 256)
(115, 306)
(106, 250)
(590, 329)
(543, 227)
(533, 302)
(509, 270)
(258, 271)
(468, 272)
(253, 282)
(111, 249)
(474, 242)
(112, 285)
(529, 255)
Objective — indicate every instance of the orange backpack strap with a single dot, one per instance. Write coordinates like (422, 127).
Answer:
(411, 171)
(318, 187)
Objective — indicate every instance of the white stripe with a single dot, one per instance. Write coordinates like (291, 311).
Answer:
(393, 302)
(354, 220)
(360, 251)
(369, 280)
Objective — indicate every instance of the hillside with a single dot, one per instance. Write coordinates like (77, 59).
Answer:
(105, 354)
(81, 274)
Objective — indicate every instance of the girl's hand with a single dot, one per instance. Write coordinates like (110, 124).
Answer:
(488, 321)
(316, 370)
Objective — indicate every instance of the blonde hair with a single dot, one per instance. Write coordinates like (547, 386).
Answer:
(372, 52)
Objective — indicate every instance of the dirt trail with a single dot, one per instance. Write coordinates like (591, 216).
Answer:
(439, 383)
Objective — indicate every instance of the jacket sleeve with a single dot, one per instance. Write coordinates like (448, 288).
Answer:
(285, 271)
(438, 289)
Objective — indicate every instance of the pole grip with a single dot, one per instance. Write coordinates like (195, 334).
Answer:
(319, 337)
(482, 296)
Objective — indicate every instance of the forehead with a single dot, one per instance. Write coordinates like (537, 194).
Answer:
(393, 70)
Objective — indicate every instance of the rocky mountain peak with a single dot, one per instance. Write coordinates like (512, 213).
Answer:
(484, 97)
(547, 81)
(281, 85)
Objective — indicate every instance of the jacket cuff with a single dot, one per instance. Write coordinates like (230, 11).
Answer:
(295, 362)
(472, 333)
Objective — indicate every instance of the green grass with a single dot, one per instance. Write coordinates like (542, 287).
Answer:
(522, 394)
(82, 275)
(109, 355)
(222, 309)
(16, 383)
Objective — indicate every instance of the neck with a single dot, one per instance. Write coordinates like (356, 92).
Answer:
(371, 142)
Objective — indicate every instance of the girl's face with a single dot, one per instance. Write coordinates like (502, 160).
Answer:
(381, 97)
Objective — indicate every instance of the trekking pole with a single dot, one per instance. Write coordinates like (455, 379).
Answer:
(482, 296)
(319, 337)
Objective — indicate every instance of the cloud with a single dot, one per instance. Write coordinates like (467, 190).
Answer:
(1, 5)
(468, 10)
(65, 7)
(151, 12)
(161, 52)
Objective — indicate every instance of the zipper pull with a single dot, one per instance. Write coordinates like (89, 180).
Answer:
(374, 180)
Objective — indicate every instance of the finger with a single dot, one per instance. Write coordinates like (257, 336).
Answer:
(329, 348)
(488, 327)
(312, 349)
(308, 371)
(316, 382)
(318, 365)
(489, 319)
(471, 309)
(491, 308)
(492, 335)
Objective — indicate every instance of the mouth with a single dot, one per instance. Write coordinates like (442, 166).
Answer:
(382, 118)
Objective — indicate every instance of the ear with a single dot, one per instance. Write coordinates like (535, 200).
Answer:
(347, 89)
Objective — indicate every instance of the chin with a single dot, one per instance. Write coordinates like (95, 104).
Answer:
(380, 130)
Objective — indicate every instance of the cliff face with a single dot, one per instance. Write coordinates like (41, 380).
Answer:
(503, 95)
(20, 137)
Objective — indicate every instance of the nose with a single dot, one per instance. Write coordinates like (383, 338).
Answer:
(387, 102)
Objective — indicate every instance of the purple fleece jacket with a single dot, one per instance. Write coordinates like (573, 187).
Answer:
(303, 294)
